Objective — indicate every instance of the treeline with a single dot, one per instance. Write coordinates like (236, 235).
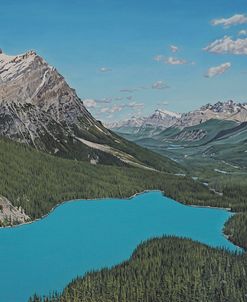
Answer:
(236, 229)
(164, 270)
(37, 181)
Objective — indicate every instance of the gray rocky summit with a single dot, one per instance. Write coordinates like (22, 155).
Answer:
(37, 106)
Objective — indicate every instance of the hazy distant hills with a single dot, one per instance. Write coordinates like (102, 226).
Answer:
(216, 131)
(162, 119)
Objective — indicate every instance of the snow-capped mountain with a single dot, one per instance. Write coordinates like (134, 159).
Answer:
(228, 110)
(161, 119)
(37, 106)
(128, 125)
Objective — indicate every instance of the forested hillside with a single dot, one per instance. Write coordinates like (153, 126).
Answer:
(38, 181)
(164, 270)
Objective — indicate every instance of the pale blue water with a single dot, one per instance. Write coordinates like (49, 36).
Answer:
(83, 235)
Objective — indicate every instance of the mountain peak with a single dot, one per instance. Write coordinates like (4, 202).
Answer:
(14, 66)
(229, 106)
(162, 113)
(35, 101)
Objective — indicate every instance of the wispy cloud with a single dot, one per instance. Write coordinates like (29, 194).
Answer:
(217, 70)
(119, 107)
(175, 61)
(128, 90)
(160, 85)
(134, 105)
(104, 101)
(227, 22)
(112, 109)
(242, 32)
(170, 60)
(174, 48)
(89, 103)
(227, 45)
(105, 69)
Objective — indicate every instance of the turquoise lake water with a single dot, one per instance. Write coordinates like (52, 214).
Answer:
(83, 235)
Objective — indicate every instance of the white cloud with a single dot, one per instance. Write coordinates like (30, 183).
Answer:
(118, 98)
(117, 108)
(228, 46)
(217, 70)
(128, 90)
(112, 109)
(174, 48)
(175, 61)
(227, 22)
(105, 69)
(104, 101)
(134, 105)
(160, 85)
(89, 103)
(242, 32)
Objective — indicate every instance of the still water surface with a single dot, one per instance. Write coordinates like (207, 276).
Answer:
(90, 234)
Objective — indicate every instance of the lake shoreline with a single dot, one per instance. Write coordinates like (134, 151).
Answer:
(120, 198)
(75, 235)
(127, 198)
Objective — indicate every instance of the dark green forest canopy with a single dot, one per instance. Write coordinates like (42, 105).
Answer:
(38, 181)
(164, 270)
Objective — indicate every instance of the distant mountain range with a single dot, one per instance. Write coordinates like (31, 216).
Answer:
(212, 133)
(162, 119)
(159, 120)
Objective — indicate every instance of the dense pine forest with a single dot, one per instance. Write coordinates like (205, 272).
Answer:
(37, 181)
(164, 270)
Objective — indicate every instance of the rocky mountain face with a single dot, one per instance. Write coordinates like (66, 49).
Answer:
(39, 108)
(221, 110)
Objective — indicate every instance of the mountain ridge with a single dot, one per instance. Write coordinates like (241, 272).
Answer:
(156, 122)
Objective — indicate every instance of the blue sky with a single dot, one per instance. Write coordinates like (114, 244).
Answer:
(105, 46)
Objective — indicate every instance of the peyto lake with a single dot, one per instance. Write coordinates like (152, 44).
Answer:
(80, 236)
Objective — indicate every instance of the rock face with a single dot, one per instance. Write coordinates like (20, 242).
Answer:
(10, 215)
(39, 108)
(221, 110)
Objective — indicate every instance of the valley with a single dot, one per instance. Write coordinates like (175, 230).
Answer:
(212, 153)
(123, 143)
(53, 150)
